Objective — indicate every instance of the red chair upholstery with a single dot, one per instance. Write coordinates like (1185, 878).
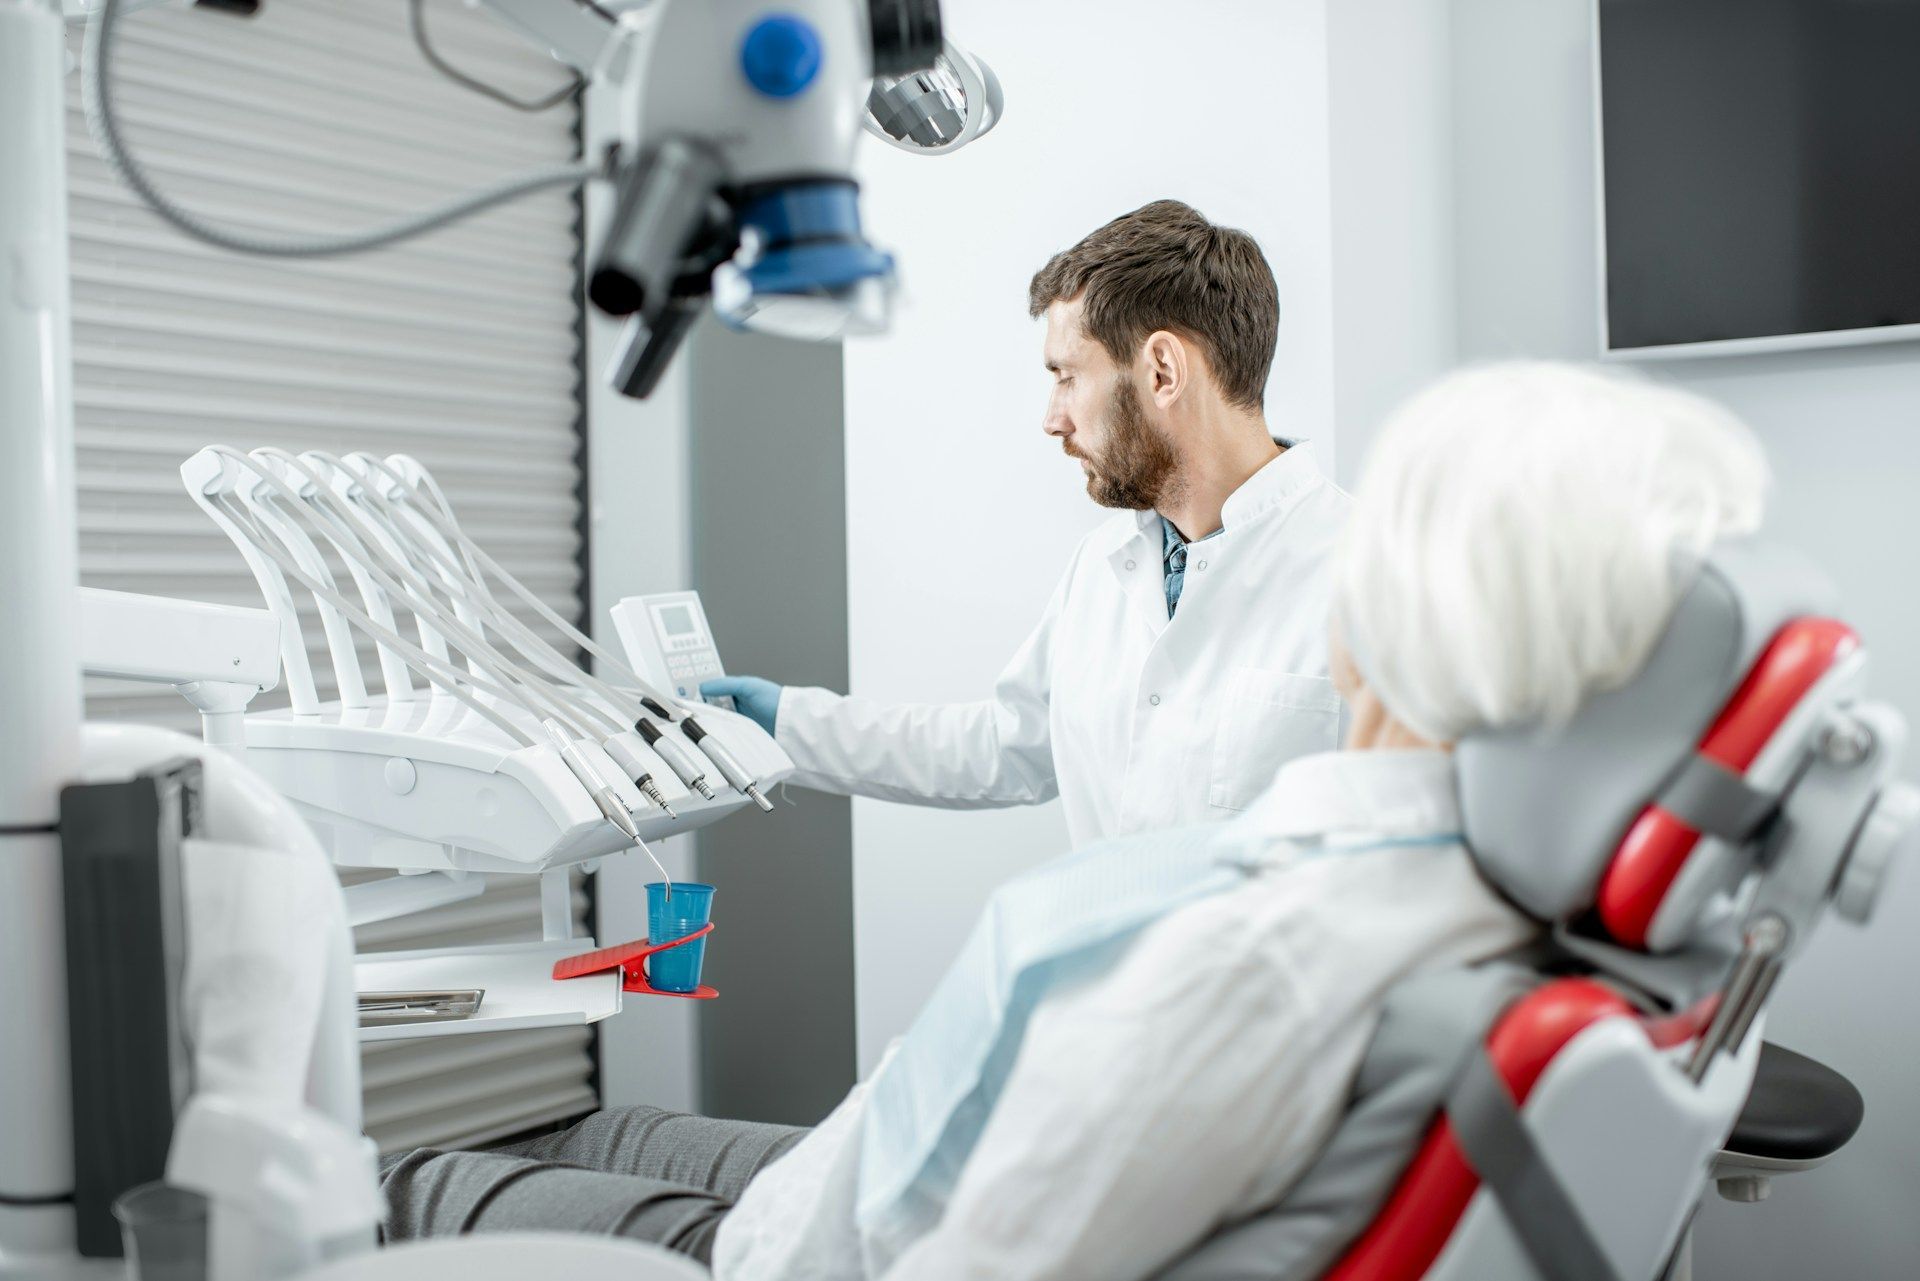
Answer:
(1427, 1204)
(1658, 845)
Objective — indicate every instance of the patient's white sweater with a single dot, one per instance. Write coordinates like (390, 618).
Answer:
(1191, 1082)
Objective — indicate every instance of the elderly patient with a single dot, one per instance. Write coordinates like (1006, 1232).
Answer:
(1149, 1038)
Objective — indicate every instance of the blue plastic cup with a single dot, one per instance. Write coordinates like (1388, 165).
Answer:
(672, 916)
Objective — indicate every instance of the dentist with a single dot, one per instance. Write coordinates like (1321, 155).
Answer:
(1182, 659)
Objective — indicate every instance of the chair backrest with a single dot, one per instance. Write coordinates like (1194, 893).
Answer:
(1654, 882)
(1636, 820)
(1631, 822)
(1557, 815)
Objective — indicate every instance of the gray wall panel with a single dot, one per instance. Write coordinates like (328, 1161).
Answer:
(769, 558)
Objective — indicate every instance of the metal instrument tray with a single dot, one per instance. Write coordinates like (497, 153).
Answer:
(379, 1009)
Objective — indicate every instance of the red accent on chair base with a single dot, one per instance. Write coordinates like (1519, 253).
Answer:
(1425, 1208)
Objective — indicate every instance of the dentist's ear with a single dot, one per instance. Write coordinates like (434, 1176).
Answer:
(1168, 366)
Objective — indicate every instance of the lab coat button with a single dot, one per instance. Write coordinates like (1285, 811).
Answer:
(1129, 564)
(1201, 565)
(1154, 699)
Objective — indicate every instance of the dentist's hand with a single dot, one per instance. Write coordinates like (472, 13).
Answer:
(756, 699)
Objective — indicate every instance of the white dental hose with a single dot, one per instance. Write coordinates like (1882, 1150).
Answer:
(428, 664)
(418, 594)
(373, 544)
(450, 528)
(461, 580)
(444, 675)
(529, 643)
(332, 515)
(651, 699)
(439, 515)
(464, 581)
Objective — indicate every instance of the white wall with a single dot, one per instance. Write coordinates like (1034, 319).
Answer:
(1390, 184)
(961, 514)
(1843, 431)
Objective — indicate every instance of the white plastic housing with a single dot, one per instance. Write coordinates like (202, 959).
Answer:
(39, 682)
(689, 81)
(467, 798)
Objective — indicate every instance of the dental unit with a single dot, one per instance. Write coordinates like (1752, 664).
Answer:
(479, 747)
(515, 691)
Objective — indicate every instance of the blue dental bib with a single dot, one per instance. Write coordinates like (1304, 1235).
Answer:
(930, 1100)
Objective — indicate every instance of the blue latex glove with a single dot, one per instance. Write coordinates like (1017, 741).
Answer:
(756, 699)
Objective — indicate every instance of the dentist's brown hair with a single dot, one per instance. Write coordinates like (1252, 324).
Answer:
(1164, 266)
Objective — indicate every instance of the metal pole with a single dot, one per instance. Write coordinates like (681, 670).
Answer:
(556, 904)
(40, 674)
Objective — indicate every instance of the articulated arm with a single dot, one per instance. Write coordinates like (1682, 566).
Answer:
(573, 31)
(734, 166)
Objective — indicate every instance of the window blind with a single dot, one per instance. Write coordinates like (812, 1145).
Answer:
(460, 349)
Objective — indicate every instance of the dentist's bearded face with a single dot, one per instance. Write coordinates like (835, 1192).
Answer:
(1134, 465)
(1098, 416)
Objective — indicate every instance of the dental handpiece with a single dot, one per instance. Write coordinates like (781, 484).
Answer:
(627, 759)
(715, 752)
(678, 761)
(609, 803)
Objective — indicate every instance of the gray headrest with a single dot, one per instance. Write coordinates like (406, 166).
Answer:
(1545, 812)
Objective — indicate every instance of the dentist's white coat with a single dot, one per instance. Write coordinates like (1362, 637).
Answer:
(1134, 721)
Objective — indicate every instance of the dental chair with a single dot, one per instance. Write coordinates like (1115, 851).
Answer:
(1556, 1115)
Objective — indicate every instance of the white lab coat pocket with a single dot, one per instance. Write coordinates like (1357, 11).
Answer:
(1269, 719)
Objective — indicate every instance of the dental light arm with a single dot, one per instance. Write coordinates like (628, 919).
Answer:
(104, 125)
(733, 170)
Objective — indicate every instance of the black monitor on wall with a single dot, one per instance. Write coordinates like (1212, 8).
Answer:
(1760, 173)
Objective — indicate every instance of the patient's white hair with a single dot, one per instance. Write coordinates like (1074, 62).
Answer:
(1512, 548)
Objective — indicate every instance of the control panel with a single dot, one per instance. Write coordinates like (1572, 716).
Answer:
(669, 643)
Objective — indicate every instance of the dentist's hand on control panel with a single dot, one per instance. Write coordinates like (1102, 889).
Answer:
(753, 697)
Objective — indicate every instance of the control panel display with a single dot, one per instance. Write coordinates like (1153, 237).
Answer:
(668, 642)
